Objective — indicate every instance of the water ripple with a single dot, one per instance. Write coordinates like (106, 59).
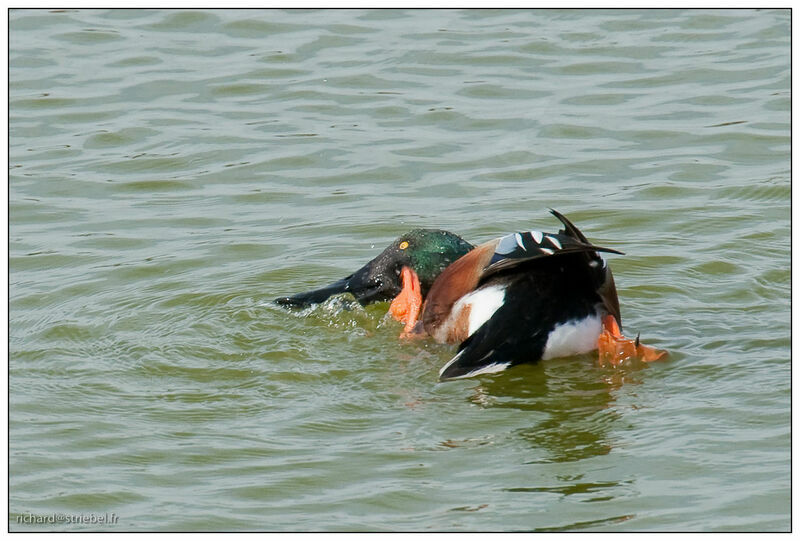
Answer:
(173, 171)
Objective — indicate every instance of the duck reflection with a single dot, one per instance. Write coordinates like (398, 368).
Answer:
(572, 399)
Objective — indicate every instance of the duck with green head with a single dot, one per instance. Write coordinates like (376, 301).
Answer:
(519, 298)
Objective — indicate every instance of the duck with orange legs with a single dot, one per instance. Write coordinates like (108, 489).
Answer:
(524, 297)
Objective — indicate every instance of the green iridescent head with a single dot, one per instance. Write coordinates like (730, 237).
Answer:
(426, 251)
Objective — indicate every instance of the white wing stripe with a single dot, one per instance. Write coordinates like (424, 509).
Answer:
(554, 242)
(488, 369)
(518, 238)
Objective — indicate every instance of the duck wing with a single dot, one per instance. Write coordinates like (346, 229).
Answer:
(545, 312)
(523, 247)
(501, 341)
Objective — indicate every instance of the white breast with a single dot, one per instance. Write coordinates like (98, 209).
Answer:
(483, 303)
(573, 338)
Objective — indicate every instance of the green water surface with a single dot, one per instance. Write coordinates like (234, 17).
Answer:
(172, 172)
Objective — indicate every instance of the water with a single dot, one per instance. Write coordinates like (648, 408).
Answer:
(172, 172)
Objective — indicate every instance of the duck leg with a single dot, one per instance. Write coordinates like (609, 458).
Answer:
(408, 304)
(614, 349)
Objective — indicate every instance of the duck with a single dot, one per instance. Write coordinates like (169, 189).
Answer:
(520, 298)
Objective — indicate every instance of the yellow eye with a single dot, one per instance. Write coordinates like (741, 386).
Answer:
(403, 245)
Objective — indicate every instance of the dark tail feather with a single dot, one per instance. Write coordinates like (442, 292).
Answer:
(569, 227)
(571, 230)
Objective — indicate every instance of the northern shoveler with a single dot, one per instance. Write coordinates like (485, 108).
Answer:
(519, 298)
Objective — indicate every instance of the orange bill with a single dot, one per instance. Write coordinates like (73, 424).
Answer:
(407, 305)
(614, 348)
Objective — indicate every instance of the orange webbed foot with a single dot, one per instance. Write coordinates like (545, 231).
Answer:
(407, 305)
(614, 349)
